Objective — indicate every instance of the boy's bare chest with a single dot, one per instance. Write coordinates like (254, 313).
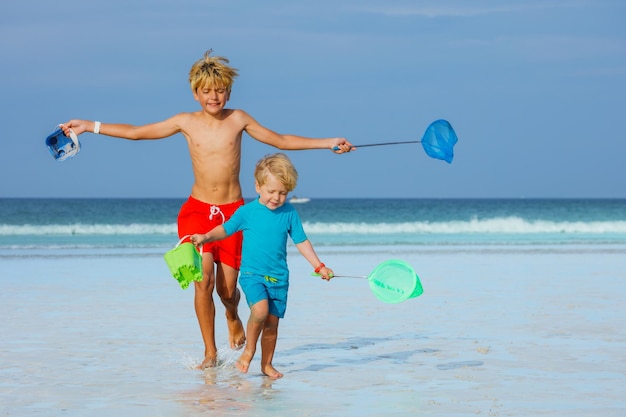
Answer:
(223, 133)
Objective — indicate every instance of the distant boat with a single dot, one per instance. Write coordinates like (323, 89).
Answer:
(299, 200)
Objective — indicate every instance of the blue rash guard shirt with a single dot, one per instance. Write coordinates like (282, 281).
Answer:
(265, 232)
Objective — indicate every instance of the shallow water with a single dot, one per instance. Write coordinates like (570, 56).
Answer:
(497, 334)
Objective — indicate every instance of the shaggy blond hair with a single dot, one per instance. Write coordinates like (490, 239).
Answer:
(212, 71)
(279, 166)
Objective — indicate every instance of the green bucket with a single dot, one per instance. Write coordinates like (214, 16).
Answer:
(185, 263)
(394, 281)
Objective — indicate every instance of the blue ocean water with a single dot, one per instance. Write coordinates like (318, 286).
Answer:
(36, 227)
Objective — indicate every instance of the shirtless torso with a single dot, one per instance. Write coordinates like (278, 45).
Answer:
(215, 151)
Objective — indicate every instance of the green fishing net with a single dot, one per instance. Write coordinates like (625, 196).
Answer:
(394, 281)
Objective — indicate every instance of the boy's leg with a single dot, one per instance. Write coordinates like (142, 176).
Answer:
(226, 284)
(268, 346)
(228, 257)
(258, 315)
(205, 311)
(193, 218)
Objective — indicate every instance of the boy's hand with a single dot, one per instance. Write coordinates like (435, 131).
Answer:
(341, 145)
(78, 126)
(326, 273)
(197, 239)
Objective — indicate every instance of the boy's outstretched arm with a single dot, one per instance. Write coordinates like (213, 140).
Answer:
(157, 130)
(217, 233)
(306, 249)
(292, 142)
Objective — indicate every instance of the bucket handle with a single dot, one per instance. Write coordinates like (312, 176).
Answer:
(73, 137)
(181, 241)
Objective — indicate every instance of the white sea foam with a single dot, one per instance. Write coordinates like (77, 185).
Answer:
(504, 225)
(498, 225)
(88, 229)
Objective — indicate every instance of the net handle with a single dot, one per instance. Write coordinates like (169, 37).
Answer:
(336, 148)
(341, 276)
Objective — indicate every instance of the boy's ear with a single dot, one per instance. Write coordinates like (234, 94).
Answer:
(257, 187)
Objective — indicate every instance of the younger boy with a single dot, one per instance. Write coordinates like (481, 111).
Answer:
(266, 223)
(213, 135)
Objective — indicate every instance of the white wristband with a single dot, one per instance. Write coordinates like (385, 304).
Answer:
(96, 128)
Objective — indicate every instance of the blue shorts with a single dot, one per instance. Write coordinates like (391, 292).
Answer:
(257, 288)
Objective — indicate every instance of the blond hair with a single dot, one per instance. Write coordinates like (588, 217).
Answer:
(212, 72)
(279, 166)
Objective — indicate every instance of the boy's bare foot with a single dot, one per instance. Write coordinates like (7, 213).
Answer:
(243, 363)
(236, 334)
(271, 372)
(208, 362)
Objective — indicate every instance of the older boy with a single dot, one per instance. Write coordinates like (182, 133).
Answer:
(213, 136)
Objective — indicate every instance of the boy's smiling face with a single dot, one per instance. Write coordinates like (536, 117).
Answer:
(273, 193)
(212, 99)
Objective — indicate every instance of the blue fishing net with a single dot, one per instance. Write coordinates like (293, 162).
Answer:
(439, 140)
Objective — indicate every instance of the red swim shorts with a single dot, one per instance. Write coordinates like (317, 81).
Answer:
(196, 216)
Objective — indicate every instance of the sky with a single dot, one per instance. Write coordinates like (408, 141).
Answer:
(535, 89)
